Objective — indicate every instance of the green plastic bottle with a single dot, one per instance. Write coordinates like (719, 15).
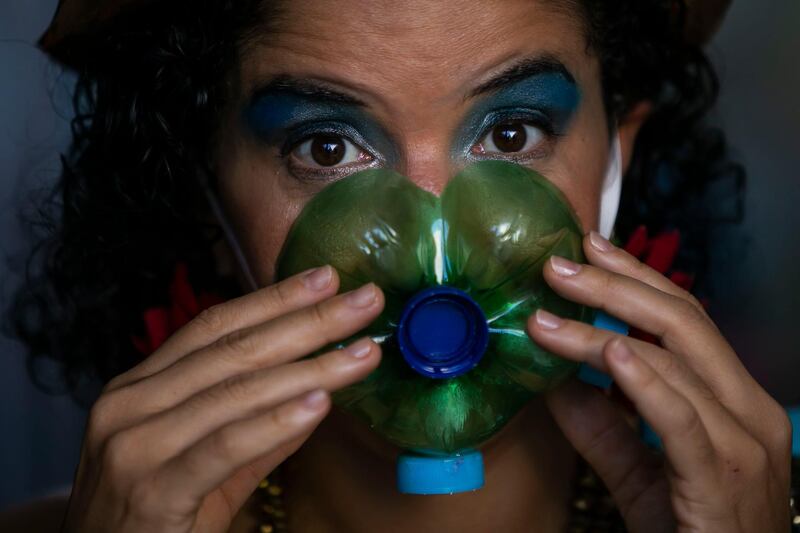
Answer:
(461, 274)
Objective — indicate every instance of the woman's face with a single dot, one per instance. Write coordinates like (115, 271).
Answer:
(422, 87)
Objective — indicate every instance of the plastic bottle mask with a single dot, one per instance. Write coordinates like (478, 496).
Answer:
(461, 274)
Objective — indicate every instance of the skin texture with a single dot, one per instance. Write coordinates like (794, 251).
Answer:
(178, 443)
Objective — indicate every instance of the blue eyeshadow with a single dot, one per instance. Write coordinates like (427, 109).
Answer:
(281, 117)
(551, 97)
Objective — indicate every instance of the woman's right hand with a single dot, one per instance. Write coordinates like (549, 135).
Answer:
(178, 443)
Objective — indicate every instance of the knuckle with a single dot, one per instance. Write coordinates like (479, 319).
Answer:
(639, 270)
(704, 390)
(323, 365)
(212, 319)
(781, 432)
(282, 418)
(151, 504)
(609, 284)
(114, 383)
(118, 458)
(320, 316)
(667, 365)
(593, 336)
(101, 417)
(140, 499)
(318, 313)
(235, 389)
(282, 294)
(694, 302)
(686, 418)
(237, 343)
(686, 312)
(757, 458)
(225, 443)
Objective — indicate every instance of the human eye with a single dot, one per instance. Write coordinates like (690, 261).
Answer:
(517, 139)
(322, 155)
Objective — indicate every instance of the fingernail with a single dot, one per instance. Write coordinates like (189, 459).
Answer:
(600, 243)
(318, 279)
(363, 297)
(548, 320)
(313, 401)
(621, 352)
(564, 267)
(359, 349)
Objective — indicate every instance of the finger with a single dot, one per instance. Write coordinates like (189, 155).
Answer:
(245, 395)
(581, 342)
(239, 487)
(686, 440)
(189, 477)
(600, 433)
(602, 253)
(289, 295)
(281, 340)
(584, 343)
(684, 332)
(680, 326)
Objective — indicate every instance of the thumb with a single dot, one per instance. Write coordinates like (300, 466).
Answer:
(604, 437)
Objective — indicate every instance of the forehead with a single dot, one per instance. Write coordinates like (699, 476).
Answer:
(415, 47)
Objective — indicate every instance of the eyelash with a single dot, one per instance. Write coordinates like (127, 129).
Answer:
(303, 135)
(526, 117)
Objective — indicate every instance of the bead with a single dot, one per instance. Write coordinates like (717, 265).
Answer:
(266, 529)
(274, 490)
(263, 484)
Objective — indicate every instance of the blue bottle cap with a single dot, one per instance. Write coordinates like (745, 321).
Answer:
(442, 332)
(448, 474)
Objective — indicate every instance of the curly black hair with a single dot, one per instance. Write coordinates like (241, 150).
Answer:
(147, 103)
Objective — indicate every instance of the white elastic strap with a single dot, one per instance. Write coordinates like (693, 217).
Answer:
(612, 190)
(227, 229)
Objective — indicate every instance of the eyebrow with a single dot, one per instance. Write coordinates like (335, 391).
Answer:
(308, 88)
(526, 68)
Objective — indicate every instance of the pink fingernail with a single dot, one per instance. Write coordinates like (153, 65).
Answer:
(313, 401)
(600, 243)
(547, 320)
(359, 349)
(318, 279)
(564, 267)
(621, 353)
(363, 297)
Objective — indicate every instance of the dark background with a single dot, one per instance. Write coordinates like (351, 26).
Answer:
(757, 302)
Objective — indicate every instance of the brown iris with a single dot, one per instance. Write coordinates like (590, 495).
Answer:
(327, 150)
(509, 137)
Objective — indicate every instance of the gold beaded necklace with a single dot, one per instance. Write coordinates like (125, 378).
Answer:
(591, 510)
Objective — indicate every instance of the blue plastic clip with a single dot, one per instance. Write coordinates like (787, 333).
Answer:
(794, 418)
(446, 474)
(588, 374)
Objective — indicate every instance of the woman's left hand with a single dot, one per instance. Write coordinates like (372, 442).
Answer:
(727, 443)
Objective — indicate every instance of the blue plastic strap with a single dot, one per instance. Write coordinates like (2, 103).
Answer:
(794, 418)
(448, 474)
(588, 374)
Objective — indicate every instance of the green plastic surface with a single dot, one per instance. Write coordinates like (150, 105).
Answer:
(489, 234)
